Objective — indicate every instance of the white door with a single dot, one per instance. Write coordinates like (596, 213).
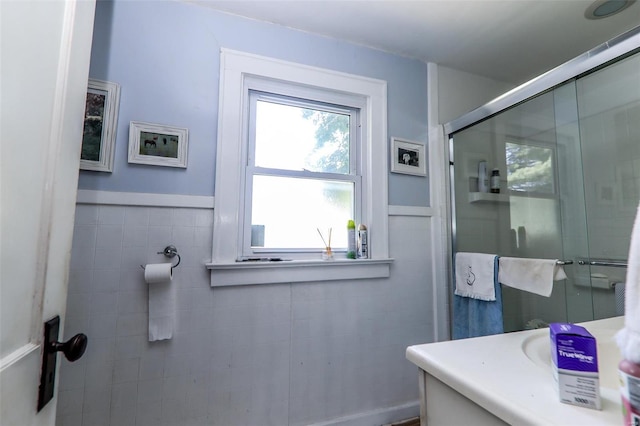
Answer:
(44, 65)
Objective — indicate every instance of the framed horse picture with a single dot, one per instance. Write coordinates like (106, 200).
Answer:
(157, 144)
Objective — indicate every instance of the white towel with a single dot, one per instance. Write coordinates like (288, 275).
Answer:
(629, 337)
(475, 275)
(532, 275)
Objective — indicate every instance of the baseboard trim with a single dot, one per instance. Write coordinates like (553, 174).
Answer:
(376, 417)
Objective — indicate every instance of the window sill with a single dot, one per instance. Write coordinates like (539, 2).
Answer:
(290, 271)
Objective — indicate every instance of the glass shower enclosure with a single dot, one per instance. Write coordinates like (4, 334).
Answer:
(567, 149)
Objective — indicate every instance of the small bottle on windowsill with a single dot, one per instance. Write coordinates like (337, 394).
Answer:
(351, 239)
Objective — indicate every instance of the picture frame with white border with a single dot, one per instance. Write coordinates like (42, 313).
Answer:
(99, 136)
(408, 157)
(158, 144)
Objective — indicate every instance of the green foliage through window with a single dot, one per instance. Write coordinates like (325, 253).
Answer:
(331, 151)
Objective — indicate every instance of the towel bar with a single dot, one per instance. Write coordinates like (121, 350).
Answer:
(603, 262)
(564, 262)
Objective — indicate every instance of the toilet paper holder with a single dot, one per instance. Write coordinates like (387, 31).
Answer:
(170, 251)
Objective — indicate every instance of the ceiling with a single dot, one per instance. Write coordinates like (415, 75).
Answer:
(506, 40)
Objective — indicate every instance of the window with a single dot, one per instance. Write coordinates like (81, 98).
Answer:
(302, 174)
(299, 149)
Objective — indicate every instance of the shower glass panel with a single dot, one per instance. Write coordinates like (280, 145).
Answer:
(569, 160)
(526, 218)
(609, 117)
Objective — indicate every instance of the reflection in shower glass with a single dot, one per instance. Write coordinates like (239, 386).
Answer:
(529, 168)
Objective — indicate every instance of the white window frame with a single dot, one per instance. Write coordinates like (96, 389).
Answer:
(289, 95)
(241, 72)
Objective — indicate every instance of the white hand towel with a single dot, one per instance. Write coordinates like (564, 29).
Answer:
(475, 275)
(629, 337)
(532, 275)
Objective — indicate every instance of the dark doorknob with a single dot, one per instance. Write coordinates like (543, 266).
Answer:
(73, 348)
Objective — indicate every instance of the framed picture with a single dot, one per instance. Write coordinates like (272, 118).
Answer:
(157, 144)
(100, 123)
(408, 157)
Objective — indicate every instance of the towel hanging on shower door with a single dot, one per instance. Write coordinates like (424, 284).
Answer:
(532, 275)
(475, 275)
(477, 317)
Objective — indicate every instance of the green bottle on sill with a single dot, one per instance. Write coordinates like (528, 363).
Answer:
(351, 239)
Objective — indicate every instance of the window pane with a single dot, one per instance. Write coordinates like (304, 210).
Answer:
(287, 212)
(529, 168)
(295, 138)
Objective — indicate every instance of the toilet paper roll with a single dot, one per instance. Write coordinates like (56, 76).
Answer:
(157, 273)
(161, 301)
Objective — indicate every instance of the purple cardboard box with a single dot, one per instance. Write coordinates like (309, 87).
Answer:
(574, 360)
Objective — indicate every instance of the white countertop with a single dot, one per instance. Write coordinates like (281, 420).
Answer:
(495, 373)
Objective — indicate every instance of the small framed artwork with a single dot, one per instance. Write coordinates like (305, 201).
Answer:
(157, 144)
(408, 157)
(100, 123)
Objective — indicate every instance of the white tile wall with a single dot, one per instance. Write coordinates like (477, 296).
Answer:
(284, 354)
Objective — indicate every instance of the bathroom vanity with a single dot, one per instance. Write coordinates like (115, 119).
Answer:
(507, 379)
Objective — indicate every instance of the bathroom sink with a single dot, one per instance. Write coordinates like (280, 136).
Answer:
(537, 348)
(487, 388)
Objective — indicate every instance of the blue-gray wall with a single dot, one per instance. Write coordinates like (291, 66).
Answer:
(166, 57)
